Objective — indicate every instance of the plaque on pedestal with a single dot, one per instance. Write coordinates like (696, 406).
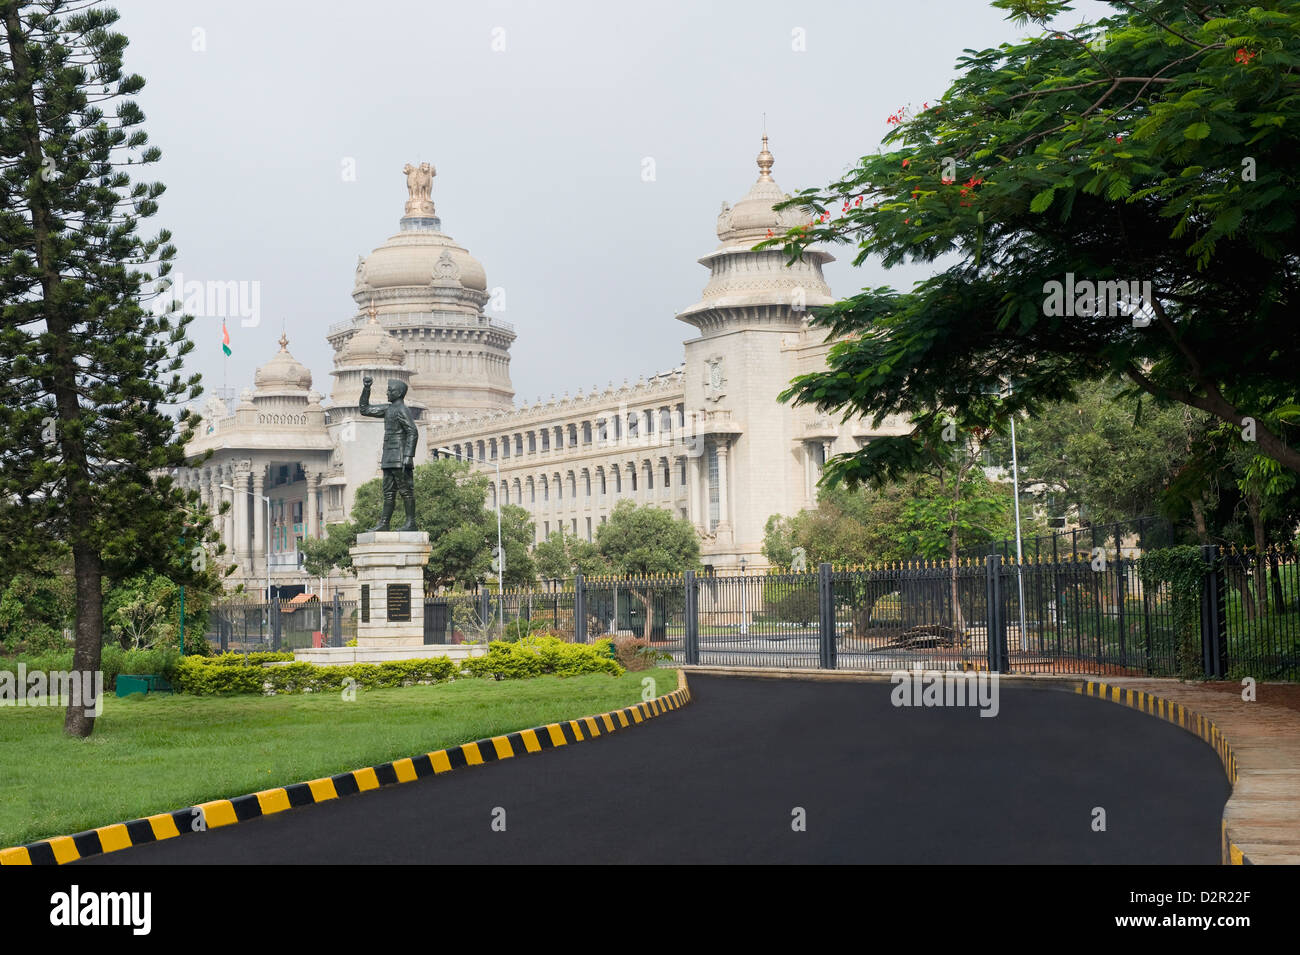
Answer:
(390, 569)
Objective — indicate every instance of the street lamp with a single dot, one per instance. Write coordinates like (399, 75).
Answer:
(1015, 484)
(501, 554)
(231, 488)
(744, 601)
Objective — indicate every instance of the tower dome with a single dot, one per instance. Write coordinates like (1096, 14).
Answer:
(282, 375)
(750, 219)
(749, 286)
(371, 346)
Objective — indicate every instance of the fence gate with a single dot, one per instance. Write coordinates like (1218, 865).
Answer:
(435, 621)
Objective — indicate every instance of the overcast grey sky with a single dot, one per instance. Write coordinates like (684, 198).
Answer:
(539, 149)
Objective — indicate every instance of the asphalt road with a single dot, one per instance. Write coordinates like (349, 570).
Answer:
(720, 780)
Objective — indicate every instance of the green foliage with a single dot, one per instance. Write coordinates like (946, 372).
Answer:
(906, 519)
(449, 506)
(983, 511)
(114, 661)
(89, 438)
(636, 541)
(562, 555)
(232, 673)
(37, 603)
(535, 656)
(1181, 569)
(792, 604)
(517, 629)
(1153, 146)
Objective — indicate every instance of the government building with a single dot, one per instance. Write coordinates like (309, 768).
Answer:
(707, 440)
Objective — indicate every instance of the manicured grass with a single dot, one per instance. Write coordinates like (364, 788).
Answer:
(159, 753)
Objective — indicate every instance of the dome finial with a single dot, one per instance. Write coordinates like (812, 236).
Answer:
(284, 342)
(765, 161)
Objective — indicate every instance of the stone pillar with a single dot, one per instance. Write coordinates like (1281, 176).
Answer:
(724, 508)
(242, 472)
(390, 563)
(702, 501)
(260, 530)
(309, 508)
(228, 530)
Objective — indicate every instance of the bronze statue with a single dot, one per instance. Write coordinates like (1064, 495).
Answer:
(398, 461)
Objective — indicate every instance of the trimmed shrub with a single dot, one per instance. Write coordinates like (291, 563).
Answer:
(222, 675)
(537, 656)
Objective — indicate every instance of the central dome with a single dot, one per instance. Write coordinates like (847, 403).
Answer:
(420, 257)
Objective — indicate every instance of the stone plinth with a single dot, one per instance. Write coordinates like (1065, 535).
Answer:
(390, 574)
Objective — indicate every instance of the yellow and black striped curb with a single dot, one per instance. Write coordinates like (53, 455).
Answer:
(226, 812)
(1189, 720)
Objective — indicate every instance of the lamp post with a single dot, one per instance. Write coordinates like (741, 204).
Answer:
(231, 488)
(1015, 485)
(744, 601)
(501, 554)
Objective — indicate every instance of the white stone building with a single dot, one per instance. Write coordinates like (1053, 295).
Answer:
(707, 440)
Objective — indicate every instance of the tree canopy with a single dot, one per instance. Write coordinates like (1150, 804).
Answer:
(563, 555)
(1154, 148)
(637, 541)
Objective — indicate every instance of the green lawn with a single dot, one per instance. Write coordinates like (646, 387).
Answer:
(160, 753)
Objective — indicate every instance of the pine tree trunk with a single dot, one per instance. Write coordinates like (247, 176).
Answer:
(62, 369)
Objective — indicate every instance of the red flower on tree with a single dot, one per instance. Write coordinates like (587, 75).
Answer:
(1244, 56)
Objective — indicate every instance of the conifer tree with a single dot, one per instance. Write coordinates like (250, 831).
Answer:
(89, 374)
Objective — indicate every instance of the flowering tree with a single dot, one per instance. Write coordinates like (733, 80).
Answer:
(1115, 201)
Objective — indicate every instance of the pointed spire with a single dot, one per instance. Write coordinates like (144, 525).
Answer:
(765, 161)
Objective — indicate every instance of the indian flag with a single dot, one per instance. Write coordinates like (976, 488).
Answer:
(225, 339)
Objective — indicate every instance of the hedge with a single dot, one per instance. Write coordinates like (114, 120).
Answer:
(536, 656)
(208, 676)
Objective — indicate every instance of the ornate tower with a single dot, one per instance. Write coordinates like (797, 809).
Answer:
(429, 294)
(752, 320)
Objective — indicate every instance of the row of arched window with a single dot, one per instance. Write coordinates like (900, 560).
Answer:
(615, 428)
(629, 478)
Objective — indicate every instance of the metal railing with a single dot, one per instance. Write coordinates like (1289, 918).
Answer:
(1091, 614)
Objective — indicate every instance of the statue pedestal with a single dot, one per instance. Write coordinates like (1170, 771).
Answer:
(390, 571)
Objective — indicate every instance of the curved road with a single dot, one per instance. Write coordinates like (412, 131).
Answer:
(719, 781)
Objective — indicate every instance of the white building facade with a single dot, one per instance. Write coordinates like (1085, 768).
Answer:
(708, 440)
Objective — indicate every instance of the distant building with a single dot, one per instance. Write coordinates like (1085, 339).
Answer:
(707, 440)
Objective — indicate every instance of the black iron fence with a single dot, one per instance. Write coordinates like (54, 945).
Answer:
(251, 626)
(1087, 612)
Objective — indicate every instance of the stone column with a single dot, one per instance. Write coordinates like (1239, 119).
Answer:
(724, 508)
(260, 530)
(309, 509)
(227, 474)
(242, 472)
(702, 500)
